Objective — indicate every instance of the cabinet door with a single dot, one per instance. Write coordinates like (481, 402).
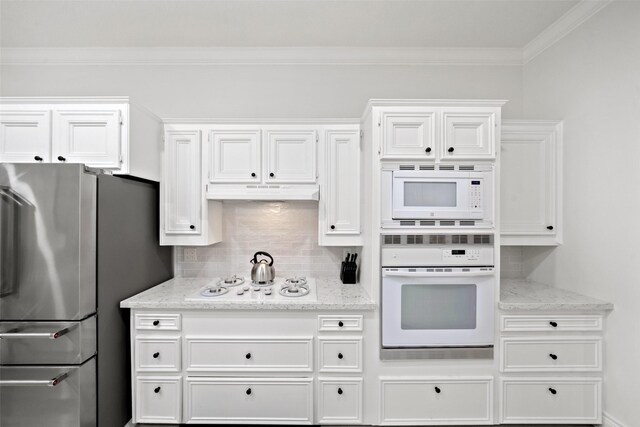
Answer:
(409, 135)
(92, 137)
(183, 194)
(468, 135)
(291, 156)
(342, 195)
(339, 400)
(235, 156)
(158, 400)
(25, 136)
(529, 180)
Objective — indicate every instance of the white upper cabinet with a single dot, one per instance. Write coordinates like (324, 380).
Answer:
(341, 194)
(468, 134)
(235, 156)
(530, 182)
(409, 134)
(291, 155)
(183, 195)
(25, 135)
(90, 136)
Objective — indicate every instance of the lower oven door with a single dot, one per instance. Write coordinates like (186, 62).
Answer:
(451, 307)
(52, 396)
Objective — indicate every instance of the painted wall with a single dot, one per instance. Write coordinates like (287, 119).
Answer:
(591, 80)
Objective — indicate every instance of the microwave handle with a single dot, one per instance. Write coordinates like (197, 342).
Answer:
(436, 274)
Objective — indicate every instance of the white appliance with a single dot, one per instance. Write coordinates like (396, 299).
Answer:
(437, 195)
(445, 299)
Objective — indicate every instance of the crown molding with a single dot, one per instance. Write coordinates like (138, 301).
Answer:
(260, 56)
(568, 22)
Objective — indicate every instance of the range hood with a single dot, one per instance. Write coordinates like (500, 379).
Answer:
(276, 192)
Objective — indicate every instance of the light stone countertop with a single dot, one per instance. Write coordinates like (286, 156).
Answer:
(175, 294)
(526, 295)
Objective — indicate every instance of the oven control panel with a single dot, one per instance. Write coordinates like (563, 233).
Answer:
(460, 255)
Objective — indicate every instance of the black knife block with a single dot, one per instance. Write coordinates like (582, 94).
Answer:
(348, 272)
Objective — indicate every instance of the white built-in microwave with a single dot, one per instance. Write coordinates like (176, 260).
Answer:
(440, 197)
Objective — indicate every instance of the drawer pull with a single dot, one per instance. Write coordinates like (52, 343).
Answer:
(38, 158)
(248, 391)
(340, 390)
(62, 159)
(247, 356)
(437, 389)
(156, 355)
(156, 390)
(553, 390)
(156, 322)
(340, 356)
(340, 324)
(553, 356)
(554, 324)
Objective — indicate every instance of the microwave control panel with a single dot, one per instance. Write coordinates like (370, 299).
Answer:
(475, 194)
(461, 255)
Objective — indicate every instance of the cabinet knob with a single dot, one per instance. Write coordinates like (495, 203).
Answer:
(156, 390)
(333, 227)
(550, 227)
(272, 174)
(451, 149)
(156, 322)
(437, 389)
(553, 390)
(192, 227)
(340, 356)
(156, 355)
(554, 324)
(253, 174)
(553, 356)
(340, 324)
(247, 356)
(248, 391)
(37, 158)
(340, 390)
(62, 159)
(427, 150)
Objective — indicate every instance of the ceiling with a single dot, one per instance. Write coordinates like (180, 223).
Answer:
(277, 23)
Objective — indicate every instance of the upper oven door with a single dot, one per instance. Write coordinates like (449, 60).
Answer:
(438, 309)
(433, 195)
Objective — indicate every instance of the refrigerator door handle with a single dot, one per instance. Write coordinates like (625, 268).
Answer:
(50, 335)
(49, 383)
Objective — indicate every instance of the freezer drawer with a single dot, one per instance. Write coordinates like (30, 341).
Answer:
(47, 343)
(52, 396)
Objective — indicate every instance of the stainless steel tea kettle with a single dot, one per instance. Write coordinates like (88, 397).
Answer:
(262, 271)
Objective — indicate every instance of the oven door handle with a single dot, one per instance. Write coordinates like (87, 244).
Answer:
(48, 382)
(436, 274)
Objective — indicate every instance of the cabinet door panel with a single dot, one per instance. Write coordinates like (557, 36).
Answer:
(339, 400)
(291, 156)
(158, 399)
(235, 156)
(409, 135)
(25, 136)
(343, 183)
(468, 135)
(182, 187)
(92, 137)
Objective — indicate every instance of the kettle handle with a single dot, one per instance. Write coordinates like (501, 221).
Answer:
(255, 257)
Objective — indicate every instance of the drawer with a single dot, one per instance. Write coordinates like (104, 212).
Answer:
(339, 354)
(551, 354)
(157, 322)
(339, 400)
(436, 400)
(335, 323)
(157, 354)
(550, 322)
(249, 354)
(249, 400)
(551, 400)
(158, 400)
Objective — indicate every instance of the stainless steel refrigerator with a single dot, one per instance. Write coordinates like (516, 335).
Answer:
(73, 244)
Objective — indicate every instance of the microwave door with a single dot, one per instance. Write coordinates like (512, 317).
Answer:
(430, 198)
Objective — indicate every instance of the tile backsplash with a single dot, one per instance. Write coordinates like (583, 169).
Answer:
(286, 230)
(512, 262)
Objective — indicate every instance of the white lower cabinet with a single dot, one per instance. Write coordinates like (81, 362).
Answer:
(551, 400)
(249, 400)
(158, 354)
(436, 400)
(340, 354)
(158, 399)
(339, 400)
(551, 354)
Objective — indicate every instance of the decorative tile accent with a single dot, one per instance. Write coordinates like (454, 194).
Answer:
(286, 230)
